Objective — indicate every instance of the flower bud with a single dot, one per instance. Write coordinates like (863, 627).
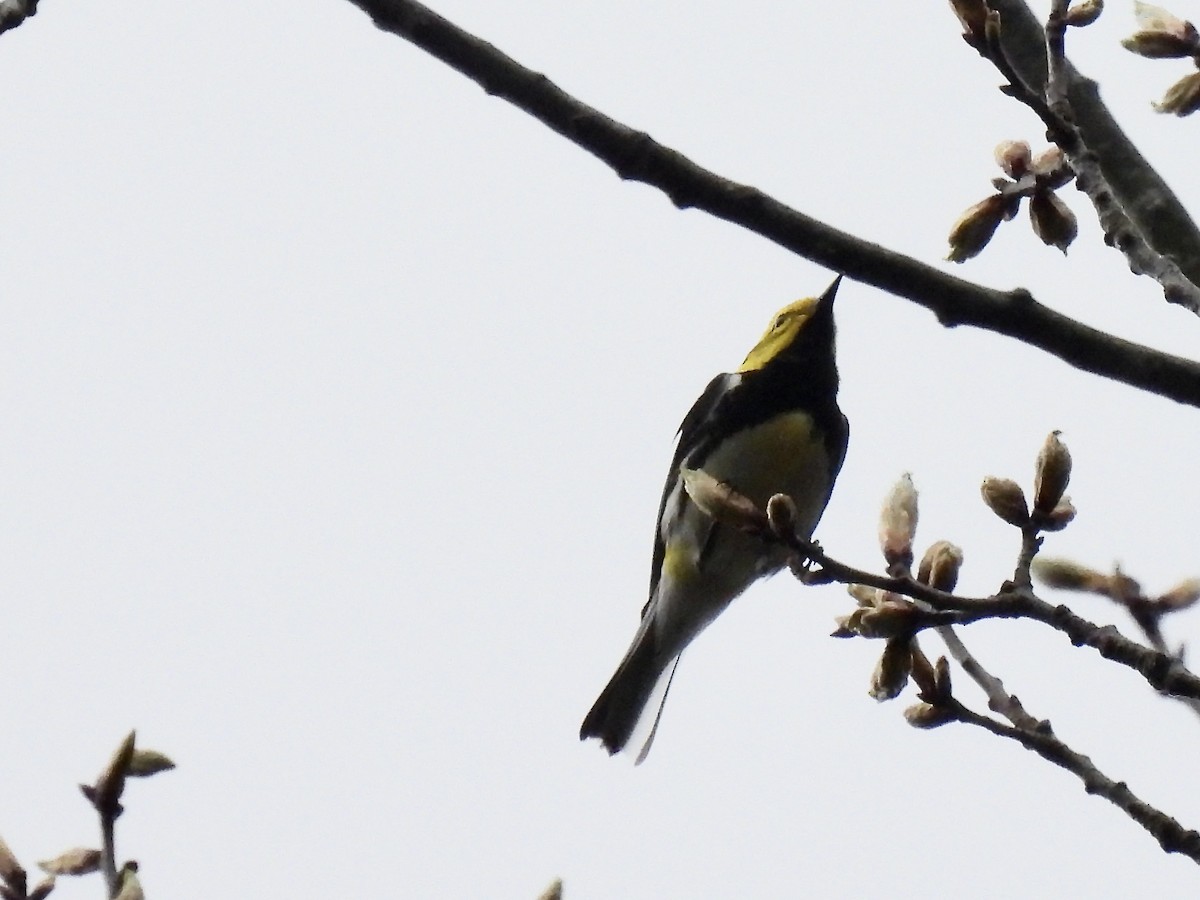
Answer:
(972, 15)
(1052, 220)
(1160, 34)
(891, 618)
(1068, 576)
(1006, 499)
(781, 514)
(923, 673)
(1084, 13)
(926, 715)
(1058, 518)
(1014, 157)
(1181, 596)
(863, 594)
(939, 566)
(721, 502)
(975, 227)
(942, 677)
(847, 626)
(898, 523)
(11, 872)
(1182, 98)
(1052, 168)
(1052, 473)
(892, 670)
(79, 861)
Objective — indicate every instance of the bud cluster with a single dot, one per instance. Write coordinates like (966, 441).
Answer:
(1162, 35)
(1027, 176)
(1051, 510)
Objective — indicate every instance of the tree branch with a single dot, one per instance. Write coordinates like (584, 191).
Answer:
(636, 156)
(1138, 189)
(1171, 836)
(1162, 670)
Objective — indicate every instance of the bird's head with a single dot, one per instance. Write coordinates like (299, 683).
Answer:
(803, 327)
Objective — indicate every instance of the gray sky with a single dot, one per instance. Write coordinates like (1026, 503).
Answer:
(338, 398)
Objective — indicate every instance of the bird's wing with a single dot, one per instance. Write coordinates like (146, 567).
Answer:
(695, 427)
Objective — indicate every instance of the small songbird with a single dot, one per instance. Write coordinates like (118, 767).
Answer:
(771, 427)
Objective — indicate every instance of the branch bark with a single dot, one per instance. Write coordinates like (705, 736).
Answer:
(634, 155)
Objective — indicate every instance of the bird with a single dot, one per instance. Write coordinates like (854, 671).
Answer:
(771, 427)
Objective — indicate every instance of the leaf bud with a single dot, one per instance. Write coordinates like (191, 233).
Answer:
(926, 715)
(892, 671)
(898, 523)
(721, 502)
(939, 566)
(1052, 473)
(1005, 498)
(1182, 98)
(1052, 220)
(1084, 13)
(975, 227)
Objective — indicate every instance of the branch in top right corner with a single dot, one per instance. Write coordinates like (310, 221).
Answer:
(1129, 198)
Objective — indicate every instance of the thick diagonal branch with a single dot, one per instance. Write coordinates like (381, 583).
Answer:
(635, 155)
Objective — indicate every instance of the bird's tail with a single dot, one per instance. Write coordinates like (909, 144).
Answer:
(627, 712)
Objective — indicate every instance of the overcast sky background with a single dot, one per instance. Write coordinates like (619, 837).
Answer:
(337, 399)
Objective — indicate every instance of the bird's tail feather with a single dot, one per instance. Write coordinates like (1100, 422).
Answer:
(627, 713)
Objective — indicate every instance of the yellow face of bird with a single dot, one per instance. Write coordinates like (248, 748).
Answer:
(784, 328)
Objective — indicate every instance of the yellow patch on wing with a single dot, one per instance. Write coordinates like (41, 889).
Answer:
(679, 562)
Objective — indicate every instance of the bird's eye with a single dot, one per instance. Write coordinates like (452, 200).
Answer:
(779, 322)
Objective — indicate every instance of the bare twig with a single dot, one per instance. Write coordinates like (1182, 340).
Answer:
(1162, 670)
(999, 699)
(635, 155)
(1171, 836)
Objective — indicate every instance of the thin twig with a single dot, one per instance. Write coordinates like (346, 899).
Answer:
(1162, 670)
(635, 155)
(999, 699)
(1171, 836)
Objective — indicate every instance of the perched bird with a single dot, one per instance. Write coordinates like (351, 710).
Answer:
(771, 427)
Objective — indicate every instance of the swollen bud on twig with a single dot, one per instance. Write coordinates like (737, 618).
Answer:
(898, 523)
(892, 670)
(781, 515)
(972, 15)
(939, 566)
(926, 715)
(1052, 473)
(80, 861)
(1068, 576)
(721, 502)
(942, 675)
(1014, 157)
(976, 226)
(1182, 98)
(554, 892)
(149, 762)
(106, 793)
(131, 888)
(1161, 35)
(1005, 498)
(1183, 595)
(1084, 13)
(1052, 220)
(11, 872)
(1059, 517)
